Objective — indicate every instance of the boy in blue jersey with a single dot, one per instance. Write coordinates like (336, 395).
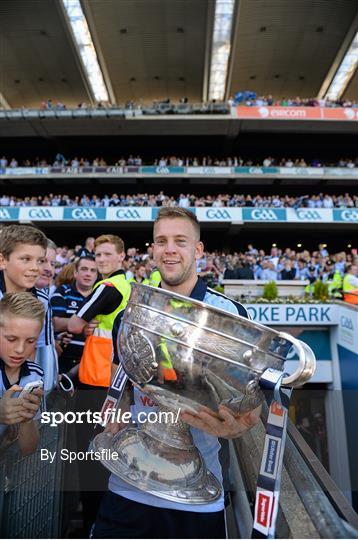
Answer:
(22, 260)
(21, 319)
(126, 512)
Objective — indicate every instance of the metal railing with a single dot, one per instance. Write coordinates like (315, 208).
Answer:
(311, 504)
(30, 488)
(156, 109)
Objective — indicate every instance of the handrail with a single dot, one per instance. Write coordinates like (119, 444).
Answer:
(311, 504)
(31, 489)
(329, 487)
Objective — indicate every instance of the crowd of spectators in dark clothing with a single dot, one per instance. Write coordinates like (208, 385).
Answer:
(183, 200)
(178, 161)
(247, 98)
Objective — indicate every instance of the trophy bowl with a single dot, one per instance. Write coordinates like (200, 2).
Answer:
(187, 355)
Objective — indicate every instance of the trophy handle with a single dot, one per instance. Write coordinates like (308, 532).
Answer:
(306, 363)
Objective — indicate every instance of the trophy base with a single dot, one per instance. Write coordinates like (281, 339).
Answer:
(167, 472)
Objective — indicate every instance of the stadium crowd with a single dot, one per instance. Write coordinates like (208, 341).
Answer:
(177, 161)
(247, 98)
(250, 99)
(252, 263)
(320, 200)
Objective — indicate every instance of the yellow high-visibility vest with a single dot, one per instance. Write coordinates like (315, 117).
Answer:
(96, 361)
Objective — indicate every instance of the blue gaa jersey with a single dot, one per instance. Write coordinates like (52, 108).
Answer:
(208, 445)
(29, 372)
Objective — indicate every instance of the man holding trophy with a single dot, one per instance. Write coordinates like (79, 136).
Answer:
(127, 512)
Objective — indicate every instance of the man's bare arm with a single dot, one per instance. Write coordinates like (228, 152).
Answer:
(76, 325)
(60, 324)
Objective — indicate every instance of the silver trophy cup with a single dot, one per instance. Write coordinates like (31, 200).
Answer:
(186, 355)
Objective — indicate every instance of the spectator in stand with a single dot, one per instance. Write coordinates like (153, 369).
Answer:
(268, 273)
(3, 162)
(301, 270)
(244, 271)
(87, 250)
(210, 273)
(62, 256)
(287, 272)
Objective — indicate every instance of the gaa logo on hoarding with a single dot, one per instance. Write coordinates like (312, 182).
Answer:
(349, 215)
(40, 213)
(127, 213)
(162, 170)
(84, 213)
(308, 215)
(255, 170)
(218, 214)
(4, 214)
(347, 323)
(264, 214)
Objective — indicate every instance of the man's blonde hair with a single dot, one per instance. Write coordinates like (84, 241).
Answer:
(168, 212)
(23, 305)
(12, 235)
(111, 239)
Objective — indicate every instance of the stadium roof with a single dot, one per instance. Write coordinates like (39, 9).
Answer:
(158, 49)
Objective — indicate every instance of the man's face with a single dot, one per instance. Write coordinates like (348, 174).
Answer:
(86, 274)
(22, 267)
(176, 250)
(47, 270)
(18, 337)
(108, 260)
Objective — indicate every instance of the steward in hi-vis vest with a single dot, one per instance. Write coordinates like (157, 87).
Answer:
(154, 278)
(96, 361)
(350, 285)
(139, 275)
(109, 297)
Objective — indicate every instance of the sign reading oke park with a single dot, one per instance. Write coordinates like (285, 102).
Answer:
(294, 314)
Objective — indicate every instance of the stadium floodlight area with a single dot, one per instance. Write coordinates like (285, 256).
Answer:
(221, 47)
(86, 48)
(345, 72)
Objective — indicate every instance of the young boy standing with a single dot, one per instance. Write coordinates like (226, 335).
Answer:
(22, 254)
(21, 319)
(22, 258)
